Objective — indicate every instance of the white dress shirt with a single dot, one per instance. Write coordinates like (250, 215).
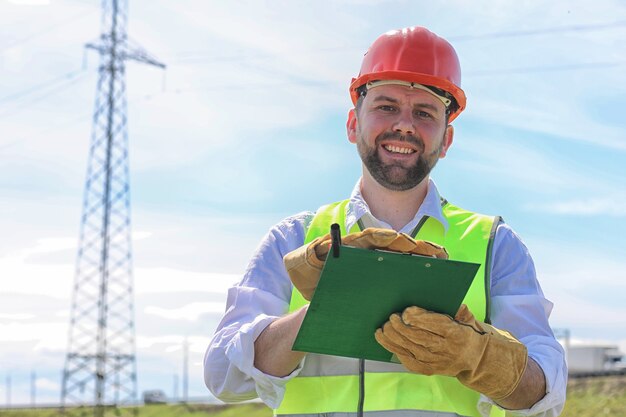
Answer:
(264, 294)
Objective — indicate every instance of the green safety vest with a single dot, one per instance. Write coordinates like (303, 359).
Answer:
(469, 238)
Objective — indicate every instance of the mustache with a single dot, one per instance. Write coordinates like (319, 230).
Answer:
(414, 140)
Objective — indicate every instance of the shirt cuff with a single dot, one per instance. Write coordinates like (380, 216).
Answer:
(240, 351)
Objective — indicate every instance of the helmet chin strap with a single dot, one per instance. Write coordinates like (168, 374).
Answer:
(446, 101)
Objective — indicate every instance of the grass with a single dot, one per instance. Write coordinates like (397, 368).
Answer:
(591, 397)
(586, 397)
(173, 410)
(247, 410)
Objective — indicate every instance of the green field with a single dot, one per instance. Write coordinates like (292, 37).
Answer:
(180, 410)
(589, 397)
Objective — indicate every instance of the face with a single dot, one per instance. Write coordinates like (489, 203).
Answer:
(400, 134)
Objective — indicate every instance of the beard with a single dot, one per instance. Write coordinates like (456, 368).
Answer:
(397, 176)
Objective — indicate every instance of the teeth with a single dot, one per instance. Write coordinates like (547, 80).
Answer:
(397, 149)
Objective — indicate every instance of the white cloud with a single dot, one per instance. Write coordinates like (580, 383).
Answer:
(14, 60)
(65, 314)
(169, 280)
(47, 384)
(578, 311)
(288, 46)
(174, 348)
(612, 206)
(190, 312)
(198, 344)
(584, 281)
(30, 2)
(42, 279)
(518, 165)
(54, 333)
(49, 245)
(568, 121)
(144, 342)
(557, 103)
(173, 343)
(575, 341)
(9, 316)
(55, 279)
(571, 266)
(140, 235)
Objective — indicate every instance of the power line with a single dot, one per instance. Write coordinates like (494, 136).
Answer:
(536, 32)
(206, 55)
(195, 57)
(46, 30)
(60, 85)
(556, 68)
(81, 117)
(43, 85)
(40, 134)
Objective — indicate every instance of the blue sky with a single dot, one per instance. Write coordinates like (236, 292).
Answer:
(247, 126)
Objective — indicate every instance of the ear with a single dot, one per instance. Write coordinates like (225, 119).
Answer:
(351, 126)
(448, 138)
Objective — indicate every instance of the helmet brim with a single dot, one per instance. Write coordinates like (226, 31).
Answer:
(425, 79)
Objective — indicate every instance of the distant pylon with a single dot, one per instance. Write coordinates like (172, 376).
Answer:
(100, 366)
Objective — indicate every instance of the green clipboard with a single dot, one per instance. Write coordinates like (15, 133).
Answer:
(361, 288)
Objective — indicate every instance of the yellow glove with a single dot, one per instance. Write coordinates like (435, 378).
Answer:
(481, 357)
(305, 264)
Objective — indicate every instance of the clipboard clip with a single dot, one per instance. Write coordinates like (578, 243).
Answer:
(335, 235)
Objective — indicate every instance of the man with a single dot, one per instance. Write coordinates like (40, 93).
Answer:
(406, 95)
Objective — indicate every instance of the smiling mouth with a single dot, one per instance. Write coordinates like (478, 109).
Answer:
(398, 149)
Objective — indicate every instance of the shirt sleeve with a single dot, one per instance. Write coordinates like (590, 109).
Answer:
(519, 306)
(262, 296)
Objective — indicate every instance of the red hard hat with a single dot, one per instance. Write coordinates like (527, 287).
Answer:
(416, 55)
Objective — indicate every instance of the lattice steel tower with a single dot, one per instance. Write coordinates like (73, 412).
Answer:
(100, 366)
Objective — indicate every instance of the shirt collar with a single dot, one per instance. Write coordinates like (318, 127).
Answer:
(431, 206)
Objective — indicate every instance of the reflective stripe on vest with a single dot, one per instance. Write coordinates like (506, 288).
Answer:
(388, 413)
(389, 387)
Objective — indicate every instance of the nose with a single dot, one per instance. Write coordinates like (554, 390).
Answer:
(404, 124)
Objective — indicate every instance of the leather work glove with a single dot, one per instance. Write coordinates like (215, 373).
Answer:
(481, 357)
(305, 264)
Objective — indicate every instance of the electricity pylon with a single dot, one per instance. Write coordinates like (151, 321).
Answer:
(100, 366)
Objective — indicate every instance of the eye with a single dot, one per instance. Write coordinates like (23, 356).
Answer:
(423, 114)
(386, 108)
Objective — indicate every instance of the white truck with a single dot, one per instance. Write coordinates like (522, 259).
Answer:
(595, 359)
